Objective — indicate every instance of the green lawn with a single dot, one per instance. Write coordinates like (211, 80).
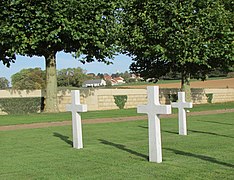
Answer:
(120, 151)
(44, 117)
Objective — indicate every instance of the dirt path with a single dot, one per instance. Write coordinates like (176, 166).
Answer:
(104, 120)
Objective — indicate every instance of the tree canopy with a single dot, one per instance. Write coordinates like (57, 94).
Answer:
(43, 28)
(72, 77)
(29, 79)
(4, 83)
(191, 37)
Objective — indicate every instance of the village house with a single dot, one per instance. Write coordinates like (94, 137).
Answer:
(94, 83)
(119, 80)
(114, 81)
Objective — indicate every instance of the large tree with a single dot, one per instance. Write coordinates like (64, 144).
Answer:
(191, 37)
(29, 79)
(7, 52)
(45, 27)
(72, 77)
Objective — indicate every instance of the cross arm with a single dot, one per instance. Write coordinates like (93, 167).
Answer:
(163, 109)
(77, 108)
(182, 104)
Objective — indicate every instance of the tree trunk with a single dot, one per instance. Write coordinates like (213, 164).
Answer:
(185, 85)
(51, 103)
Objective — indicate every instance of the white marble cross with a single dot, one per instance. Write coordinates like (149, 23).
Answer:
(181, 104)
(154, 109)
(75, 107)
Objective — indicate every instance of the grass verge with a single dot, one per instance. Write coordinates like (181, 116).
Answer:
(54, 117)
(120, 151)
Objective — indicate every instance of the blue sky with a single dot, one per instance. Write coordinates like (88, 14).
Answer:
(121, 63)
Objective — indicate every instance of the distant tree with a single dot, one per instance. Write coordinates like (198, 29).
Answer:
(115, 75)
(72, 77)
(191, 37)
(108, 83)
(91, 75)
(4, 83)
(45, 27)
(126, 75)
(131, 80)
(217, 73)
(29, 79)
(100, 76)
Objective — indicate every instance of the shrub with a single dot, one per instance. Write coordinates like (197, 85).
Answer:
(21, 105)
(173, 97)
(209, 97)
(120, 100)
(230, 75)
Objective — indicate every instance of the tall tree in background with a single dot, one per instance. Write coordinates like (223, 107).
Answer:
(73, 77)
(4, 83)
(29, 79)
(43, 28)
(190, 37)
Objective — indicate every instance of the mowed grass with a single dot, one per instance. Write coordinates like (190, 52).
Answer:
(120, 151)
(66, 116)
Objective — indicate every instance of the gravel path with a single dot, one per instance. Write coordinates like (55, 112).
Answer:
(104, 120)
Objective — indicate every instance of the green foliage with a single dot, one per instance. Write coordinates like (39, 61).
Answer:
(209, 97)
(7, 53)
(108, 83)
(217, 73)
(4, 83)
(43, 28)
(173, 97)
(126, 76)
(230, 75)
(120, 100)
(131, 80)
(71, 77)
(21, 105)
(186, 37)
(6, 56)
(29, 79)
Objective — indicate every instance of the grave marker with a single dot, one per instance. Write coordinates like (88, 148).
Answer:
(154, 109)
(75, 107)
(181, 104)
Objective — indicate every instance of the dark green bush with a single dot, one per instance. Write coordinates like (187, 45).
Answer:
(209, 97)
(120, 100)
(173, 97)
(22, 105)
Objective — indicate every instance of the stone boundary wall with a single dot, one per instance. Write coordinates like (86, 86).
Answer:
(103, 99)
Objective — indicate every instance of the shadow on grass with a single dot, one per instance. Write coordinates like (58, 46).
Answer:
(172, 132)
(144, 127)
(64, 138)
(210, 133)
(202, 157)
(123, 147)
(216, 122)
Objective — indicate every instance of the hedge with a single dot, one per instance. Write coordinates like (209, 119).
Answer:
(22, 105)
